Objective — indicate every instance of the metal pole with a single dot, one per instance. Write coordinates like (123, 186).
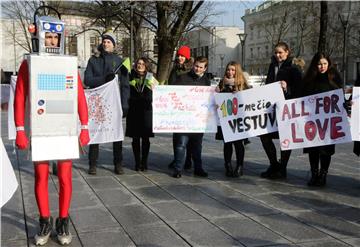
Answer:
(242, 55)
(344, 57)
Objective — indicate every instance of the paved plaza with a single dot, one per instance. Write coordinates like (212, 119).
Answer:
(153, 209)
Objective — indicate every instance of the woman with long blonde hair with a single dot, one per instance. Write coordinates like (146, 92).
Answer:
(233, 81)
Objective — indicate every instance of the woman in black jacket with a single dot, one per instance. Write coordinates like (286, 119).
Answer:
(320, 77)
(281, 69)
(233, 81)
(139, 118)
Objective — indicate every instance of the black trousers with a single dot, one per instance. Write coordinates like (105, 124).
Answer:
(270, 150)
(94, 153)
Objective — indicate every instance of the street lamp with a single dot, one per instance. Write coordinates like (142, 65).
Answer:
(344, 19)
(242, 37)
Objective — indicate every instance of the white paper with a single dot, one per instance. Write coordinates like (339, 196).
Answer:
(355, 114)
(8, 182)
(248, 113)
(311, 121)
(184, 109)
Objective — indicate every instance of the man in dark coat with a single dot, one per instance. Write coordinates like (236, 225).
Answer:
(194, 77)
(101, 69)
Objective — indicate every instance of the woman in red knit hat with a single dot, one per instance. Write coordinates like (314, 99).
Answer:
(183, 64)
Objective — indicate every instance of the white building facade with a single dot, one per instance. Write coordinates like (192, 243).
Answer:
(219, 44)
(297, 23)
(79, 41)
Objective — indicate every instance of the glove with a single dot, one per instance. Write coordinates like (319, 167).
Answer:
(84, 137)
(109, 77)
(21, 139)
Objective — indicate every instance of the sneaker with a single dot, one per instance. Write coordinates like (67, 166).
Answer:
(62, 228)
(46, 225)
(118, 169)
(177, 174)
(201, 173)
(92, 170)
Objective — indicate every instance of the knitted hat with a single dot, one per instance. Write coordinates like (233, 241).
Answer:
(184, 51)
(110, 36)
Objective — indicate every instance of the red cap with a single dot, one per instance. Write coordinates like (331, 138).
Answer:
(184, 51)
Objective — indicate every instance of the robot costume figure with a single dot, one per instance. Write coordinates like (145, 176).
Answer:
(50, 95)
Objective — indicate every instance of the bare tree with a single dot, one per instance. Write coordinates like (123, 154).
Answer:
(323, 26)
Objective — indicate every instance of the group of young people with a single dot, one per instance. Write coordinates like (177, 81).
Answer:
(321, 76)
(136, 98)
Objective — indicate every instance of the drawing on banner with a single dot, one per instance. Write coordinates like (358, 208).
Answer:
(314, 120)
(184, 109)
(105, 113)
(248, 113)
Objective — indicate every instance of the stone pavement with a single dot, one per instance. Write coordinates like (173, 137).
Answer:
(153, 209)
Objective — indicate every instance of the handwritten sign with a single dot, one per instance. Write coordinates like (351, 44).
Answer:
(248, 113)
(311, 121)
(355, 114)
(184, 109)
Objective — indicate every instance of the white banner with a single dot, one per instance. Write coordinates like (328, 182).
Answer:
(248, 113)
(105, 113)
(11, 121)
(355, 114)
(315, 120)
(184, 109)
(8, 182)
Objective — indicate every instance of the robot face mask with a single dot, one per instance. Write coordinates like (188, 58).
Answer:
(50, 35)
(47, 34)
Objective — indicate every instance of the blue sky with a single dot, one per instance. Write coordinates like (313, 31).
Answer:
(232, 12)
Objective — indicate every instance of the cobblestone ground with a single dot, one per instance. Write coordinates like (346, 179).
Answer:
(153, 209)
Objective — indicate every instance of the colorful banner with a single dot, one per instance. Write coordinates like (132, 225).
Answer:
(248, 113)
(355, 114)
(184, 109)
(315, 120)
(105, 113)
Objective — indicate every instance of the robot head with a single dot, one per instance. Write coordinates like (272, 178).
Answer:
(48, 34)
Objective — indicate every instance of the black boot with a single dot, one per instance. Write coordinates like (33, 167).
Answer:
(118, 168)
(187, 165)
(272, 171)
(228, 169)
(239, 169)
(93, 156)
(136, 151)
(314, 177)
(145, 153)
(322, 178)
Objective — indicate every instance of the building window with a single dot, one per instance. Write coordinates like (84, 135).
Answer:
(259, 51)
(206, 54)
(94, 43)
(267, 51)
(251, 53)
(251, 33)
(259, 33)
(72, 43)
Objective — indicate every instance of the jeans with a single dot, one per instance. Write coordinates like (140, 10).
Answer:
(181, 141)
